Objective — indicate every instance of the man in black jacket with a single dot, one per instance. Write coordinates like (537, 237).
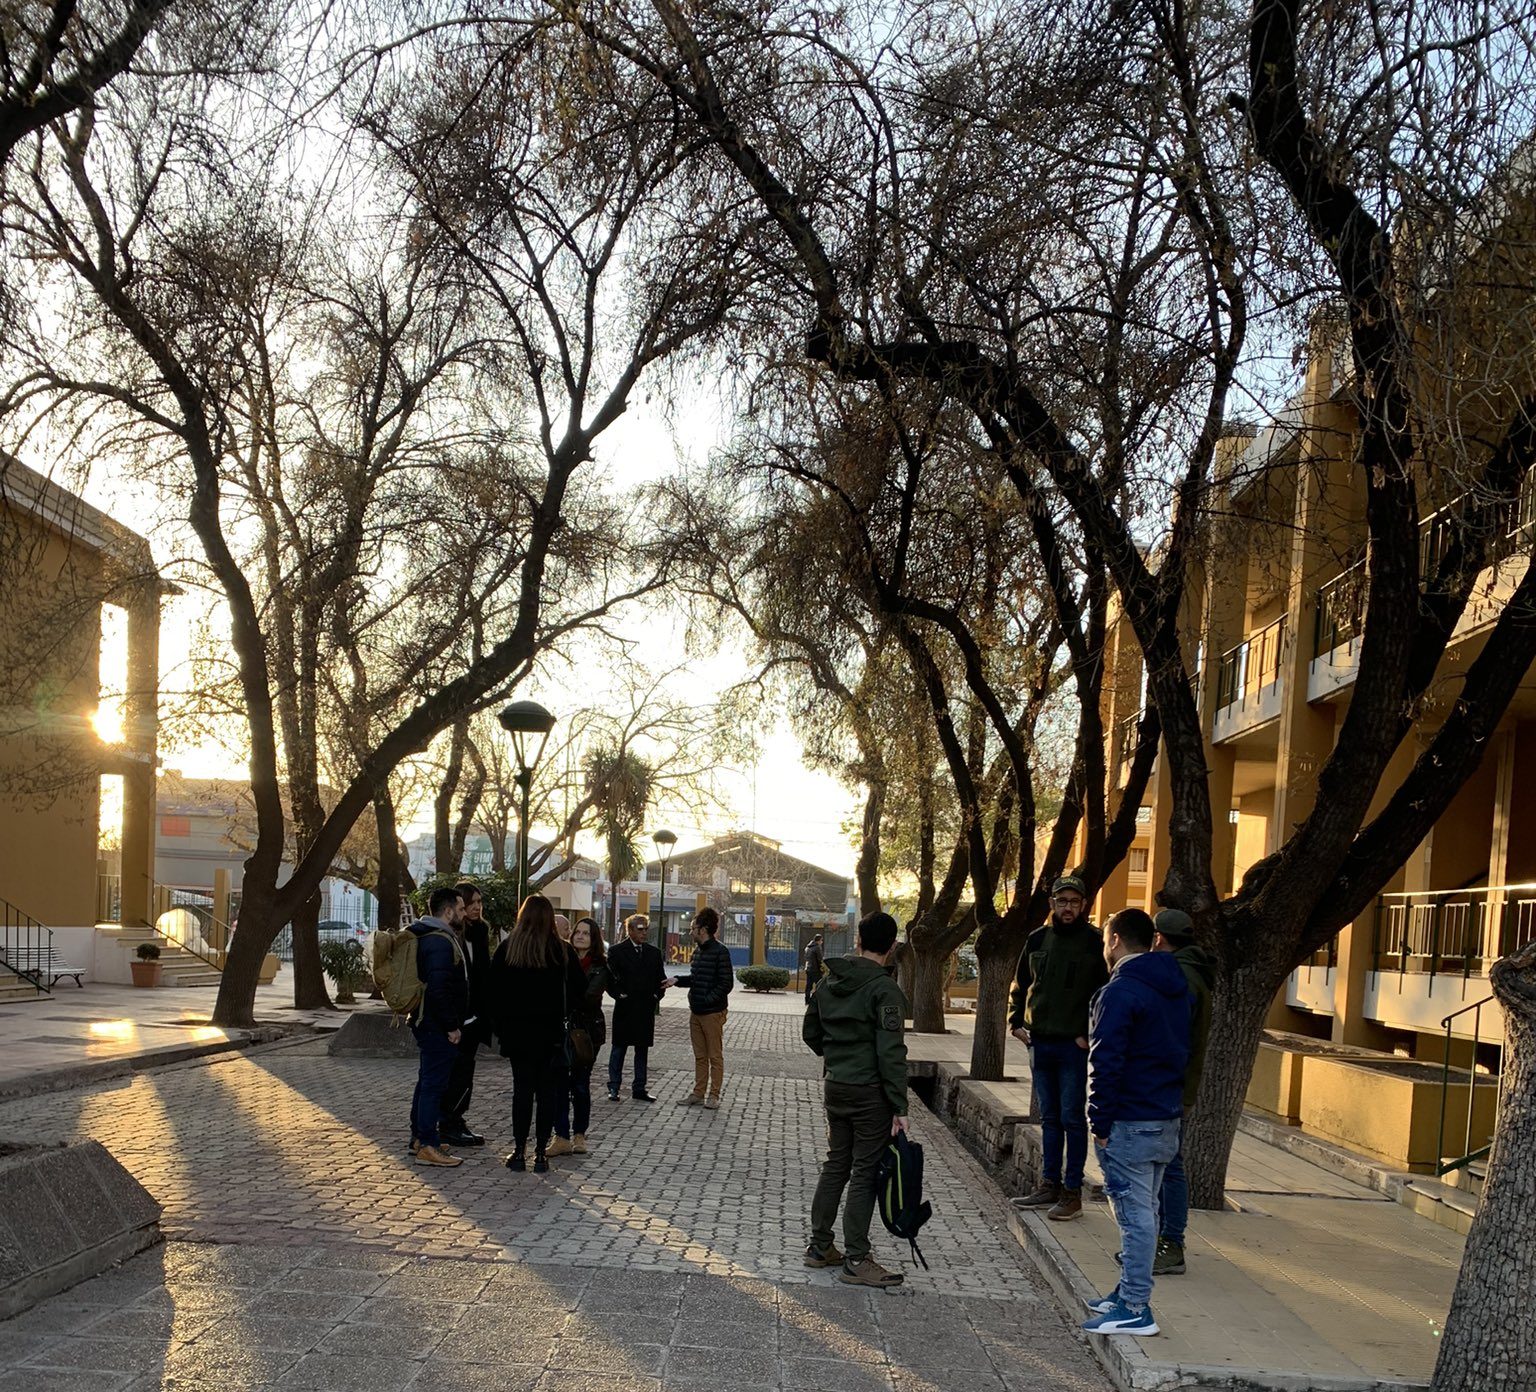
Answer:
(709, 983)
(1061, 967)
(637, 980)
(438, 1022)
(815, 965)
(477, 942)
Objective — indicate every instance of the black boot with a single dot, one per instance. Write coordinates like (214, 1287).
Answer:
(517, 1161)
(540, 1161)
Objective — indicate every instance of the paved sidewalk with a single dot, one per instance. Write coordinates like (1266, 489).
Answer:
(308, 1252)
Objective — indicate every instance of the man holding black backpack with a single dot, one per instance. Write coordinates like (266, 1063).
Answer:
(855, 1023)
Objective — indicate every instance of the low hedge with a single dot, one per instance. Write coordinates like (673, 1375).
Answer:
(763, 978)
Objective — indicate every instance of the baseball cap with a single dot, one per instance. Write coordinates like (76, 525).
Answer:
(1069, 882)
(1175, 924)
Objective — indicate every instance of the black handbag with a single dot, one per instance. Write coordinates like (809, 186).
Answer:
(580, 1051)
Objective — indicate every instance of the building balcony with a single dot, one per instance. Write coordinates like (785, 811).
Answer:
(1248, 686)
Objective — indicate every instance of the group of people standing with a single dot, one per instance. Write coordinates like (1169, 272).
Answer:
(1116, 1025)
(537, 992)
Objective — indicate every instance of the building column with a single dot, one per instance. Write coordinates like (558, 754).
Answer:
(141, 718)
(759, 930)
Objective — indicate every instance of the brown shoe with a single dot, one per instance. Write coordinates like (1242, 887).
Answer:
(1070, 1205)
(578, 1144)
(869, 1272)
(559, 1146)
(690, 1099)
(435, 1155)
(712, 1104)
(1047, 1194)
(820, 1258)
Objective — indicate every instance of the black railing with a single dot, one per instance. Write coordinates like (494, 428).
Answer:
(26, 947)
(1340, 611)
(282, 945)
(1251, 666)
(1454, 932)
(1473, 1152)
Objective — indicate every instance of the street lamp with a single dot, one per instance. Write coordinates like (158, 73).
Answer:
(522, 720)
(665, 841)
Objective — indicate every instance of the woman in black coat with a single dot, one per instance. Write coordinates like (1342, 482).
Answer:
(534, 983)
(573, 1113)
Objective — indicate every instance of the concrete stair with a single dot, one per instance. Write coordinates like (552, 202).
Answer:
(178, 967)
(14, 991)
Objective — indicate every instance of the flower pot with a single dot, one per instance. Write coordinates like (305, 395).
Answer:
(145, 973)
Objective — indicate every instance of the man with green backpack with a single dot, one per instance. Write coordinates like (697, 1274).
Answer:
(854, 1021)
(421, 972)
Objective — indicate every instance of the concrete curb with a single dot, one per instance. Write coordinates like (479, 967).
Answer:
(104, 1070)
(1130, 1362)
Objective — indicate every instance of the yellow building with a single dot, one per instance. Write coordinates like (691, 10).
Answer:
(1273, 635)
(62, 564)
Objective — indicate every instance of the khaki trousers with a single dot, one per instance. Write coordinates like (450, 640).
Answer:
(707, 1033)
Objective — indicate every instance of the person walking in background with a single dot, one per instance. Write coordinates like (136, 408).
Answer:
(637, 980)
(438, 1021)
(534, 980)
(854, 1022)
(476, 941)
(1137, 1054)
(1176, 934)
(709, 982)
(1060, 969)
(815, 968)
(573, 1113)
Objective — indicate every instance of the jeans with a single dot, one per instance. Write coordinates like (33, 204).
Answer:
(616, 1054)
(1134, 1161)
(858, 1126)
(461, 1083)
(707, 1035)
(574, 1112)
(437, 1056)
(1060, 1071)
(537, 1081)
(1174, 1200)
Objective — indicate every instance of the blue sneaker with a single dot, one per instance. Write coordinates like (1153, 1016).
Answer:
(1103, 1304)
(1121, 1319)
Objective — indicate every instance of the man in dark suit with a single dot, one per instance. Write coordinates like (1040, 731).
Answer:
(478, 940)
(637, 980)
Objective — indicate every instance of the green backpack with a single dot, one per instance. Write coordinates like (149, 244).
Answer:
(394, 967)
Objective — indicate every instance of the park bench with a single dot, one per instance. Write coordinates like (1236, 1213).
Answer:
(42, 963)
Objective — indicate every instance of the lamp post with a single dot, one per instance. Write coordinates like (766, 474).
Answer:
(523, 720)
(665, 841)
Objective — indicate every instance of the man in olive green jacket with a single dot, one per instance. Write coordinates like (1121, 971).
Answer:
(854, 1021)
(1176, 934)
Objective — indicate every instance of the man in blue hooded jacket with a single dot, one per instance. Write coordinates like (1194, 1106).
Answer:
(1138, 1047)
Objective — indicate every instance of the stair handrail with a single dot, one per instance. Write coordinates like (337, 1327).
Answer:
(17, 925)
(176, 942)
(1442, 1165)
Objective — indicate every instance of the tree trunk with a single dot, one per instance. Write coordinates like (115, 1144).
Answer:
(442, 804)
(996, 962)
(866, 872)
(235, 1005)
(389, 886)
(1490, 1337)
(905, 972)
(1239, 1003)
(309, 989)
(930, 972)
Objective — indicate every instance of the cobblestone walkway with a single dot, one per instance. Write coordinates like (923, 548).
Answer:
(306, 1251)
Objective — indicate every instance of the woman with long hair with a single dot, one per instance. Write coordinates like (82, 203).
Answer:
(535, 983)
(573, 1112)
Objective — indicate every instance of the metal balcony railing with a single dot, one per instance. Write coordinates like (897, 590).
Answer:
(25, 947)
(1251, 666)
(1457, 932)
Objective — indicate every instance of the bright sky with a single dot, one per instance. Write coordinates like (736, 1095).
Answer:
(777, 796)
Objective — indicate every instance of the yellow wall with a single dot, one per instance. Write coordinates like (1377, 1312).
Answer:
(50, 759)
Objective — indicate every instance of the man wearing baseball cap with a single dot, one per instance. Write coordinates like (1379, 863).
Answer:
(1176, 934)
(1060, 969)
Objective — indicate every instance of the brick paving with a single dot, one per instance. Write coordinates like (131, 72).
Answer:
(306, 1250)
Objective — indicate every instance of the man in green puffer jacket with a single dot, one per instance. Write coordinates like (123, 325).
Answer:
(1176, 934)
(855, 1023)
(1060, 969)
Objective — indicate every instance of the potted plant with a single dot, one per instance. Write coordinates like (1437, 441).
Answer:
(345, 965)
(146, 970)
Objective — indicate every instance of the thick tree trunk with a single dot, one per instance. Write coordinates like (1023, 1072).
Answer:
(309, 989)
(996, 960)
(1490, 1337)
(930, 972)
(1239, 1003)
(442, 804)
(388, 889)
(906, 960)
(235, 1005)
(867, 871)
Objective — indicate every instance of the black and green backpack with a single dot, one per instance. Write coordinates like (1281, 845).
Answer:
(899, 1188)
